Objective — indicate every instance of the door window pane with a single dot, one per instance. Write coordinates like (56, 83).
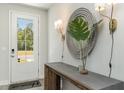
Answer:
(25, 40)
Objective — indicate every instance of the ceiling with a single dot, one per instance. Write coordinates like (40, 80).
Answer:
(40, 5)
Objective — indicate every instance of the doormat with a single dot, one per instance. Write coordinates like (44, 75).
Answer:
(25, 85)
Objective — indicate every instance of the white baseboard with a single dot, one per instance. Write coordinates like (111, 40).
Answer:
(5, 82)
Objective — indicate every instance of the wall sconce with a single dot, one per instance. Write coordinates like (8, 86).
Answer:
(112, 28)
(112, 21)
(60, 29)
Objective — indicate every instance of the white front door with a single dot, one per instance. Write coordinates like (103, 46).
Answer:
(23, 47)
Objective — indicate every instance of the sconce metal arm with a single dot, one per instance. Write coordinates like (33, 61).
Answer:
(104, 15)
(112, 11)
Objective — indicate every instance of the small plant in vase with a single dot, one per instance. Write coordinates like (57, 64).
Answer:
(79, 30)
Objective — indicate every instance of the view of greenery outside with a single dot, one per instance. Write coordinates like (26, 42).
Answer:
(25, 38)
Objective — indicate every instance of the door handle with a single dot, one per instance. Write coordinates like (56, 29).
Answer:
(12, 56)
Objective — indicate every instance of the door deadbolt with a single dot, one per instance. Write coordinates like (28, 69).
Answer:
(12, 50)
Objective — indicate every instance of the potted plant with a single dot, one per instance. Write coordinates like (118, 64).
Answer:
(79, 30)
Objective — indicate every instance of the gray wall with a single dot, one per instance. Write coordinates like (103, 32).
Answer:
(98, 60)
(4, 37)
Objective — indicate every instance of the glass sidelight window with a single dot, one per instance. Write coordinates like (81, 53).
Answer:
(24, 40)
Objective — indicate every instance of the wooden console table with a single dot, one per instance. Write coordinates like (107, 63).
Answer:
(57, 70)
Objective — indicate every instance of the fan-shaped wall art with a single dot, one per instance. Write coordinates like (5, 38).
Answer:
(87, 45)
